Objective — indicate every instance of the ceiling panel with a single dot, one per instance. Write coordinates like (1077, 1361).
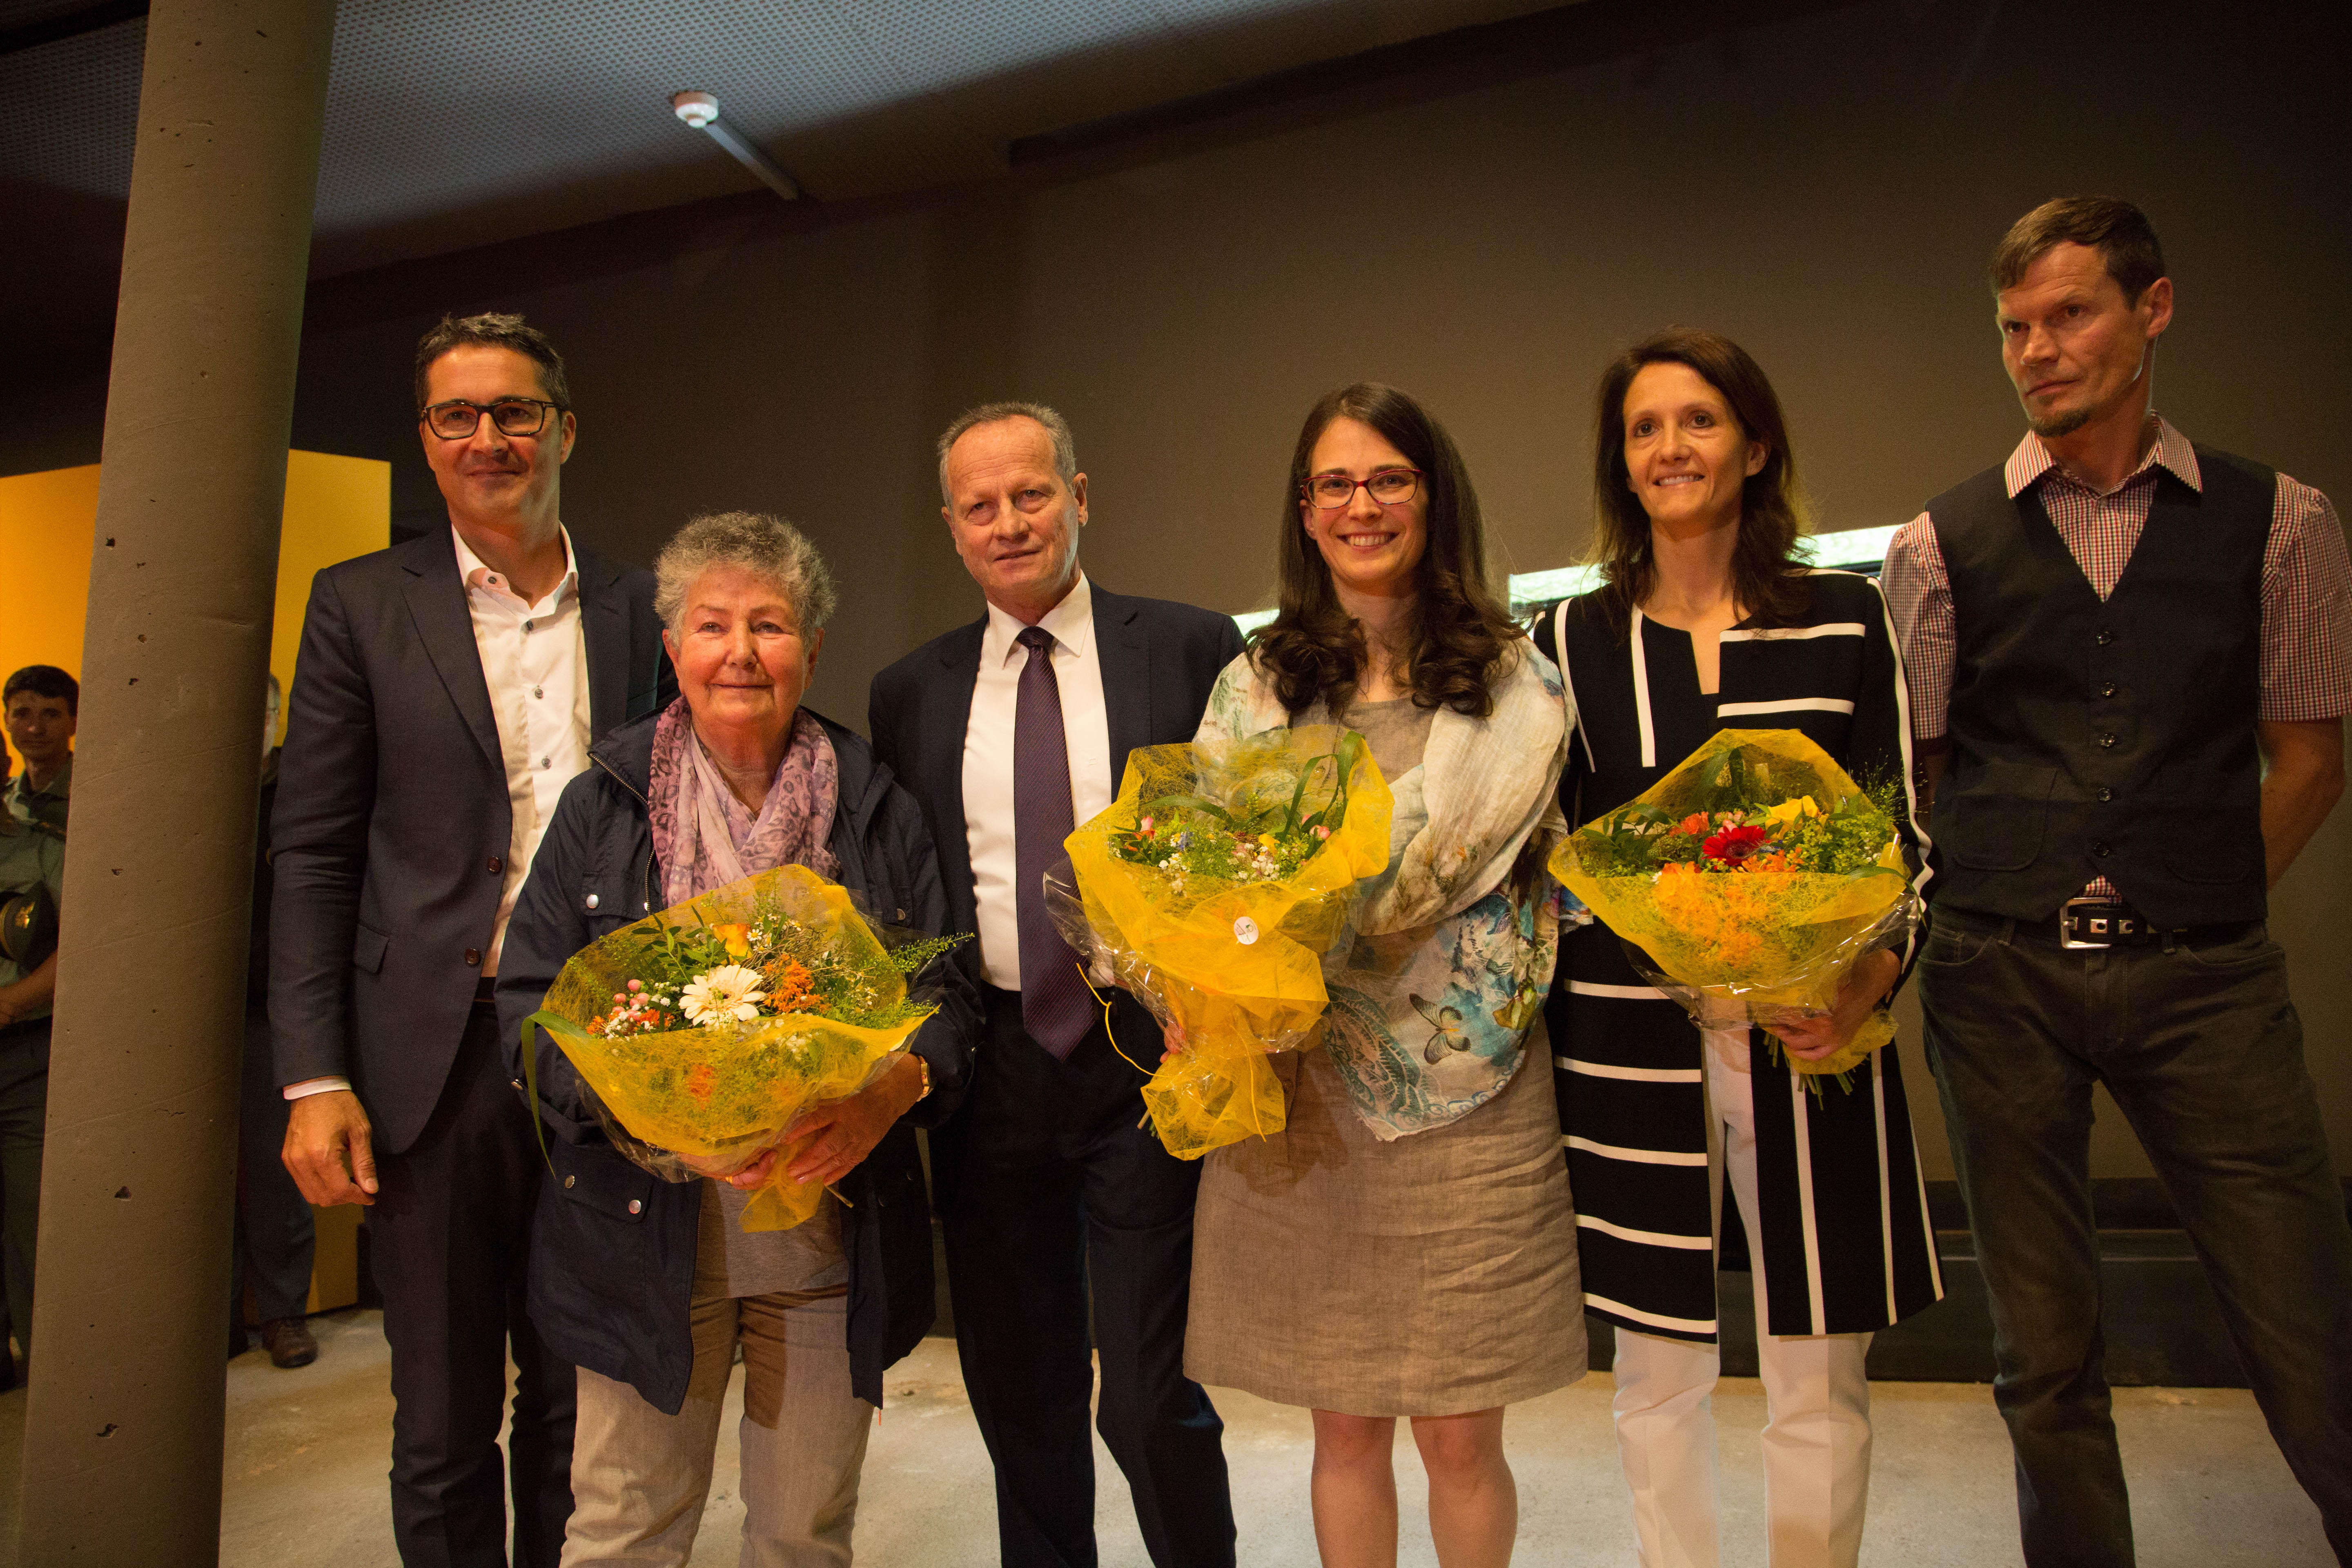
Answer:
(458, 122)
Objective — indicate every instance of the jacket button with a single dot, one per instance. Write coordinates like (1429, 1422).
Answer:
(637, 1206)
(516, 1082)
(592, 901)
(473, 958)
(497, 865)
(2109, 740)
(2100, 849)
(569, 1182)
(2109, 690)
(2103, 638)
(2105, 795)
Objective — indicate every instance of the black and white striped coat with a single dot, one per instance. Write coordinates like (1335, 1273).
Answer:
(1848, 1247)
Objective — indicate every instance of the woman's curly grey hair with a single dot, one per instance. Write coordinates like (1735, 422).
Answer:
(766, 546)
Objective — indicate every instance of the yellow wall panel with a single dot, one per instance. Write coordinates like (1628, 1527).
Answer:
(336, 507)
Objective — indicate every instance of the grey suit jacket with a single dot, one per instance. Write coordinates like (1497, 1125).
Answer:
(392, 823)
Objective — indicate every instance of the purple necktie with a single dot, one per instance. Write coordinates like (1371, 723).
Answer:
(1054, 1003)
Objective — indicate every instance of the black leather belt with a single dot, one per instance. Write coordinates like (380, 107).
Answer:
(2087, 923)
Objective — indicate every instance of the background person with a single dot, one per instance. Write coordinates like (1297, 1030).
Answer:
(43, 706)
(2129, 660)
(652, 1286)
(32, 856)
(1709, 620)
(447, 689)
(1405, 1246)
(274, 1241)
(1056, 1205)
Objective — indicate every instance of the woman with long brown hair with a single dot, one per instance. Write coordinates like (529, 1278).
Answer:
(1405, 1246)
(1708, 618)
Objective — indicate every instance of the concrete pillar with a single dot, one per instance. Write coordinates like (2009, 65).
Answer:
(122, 1443)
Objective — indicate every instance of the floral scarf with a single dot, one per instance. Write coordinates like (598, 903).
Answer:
(1452, 948)
(705, 839)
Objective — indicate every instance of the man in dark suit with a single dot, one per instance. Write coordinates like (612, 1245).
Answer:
(1011, 730)
(447, 689)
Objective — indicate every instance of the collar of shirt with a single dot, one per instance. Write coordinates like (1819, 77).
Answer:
(2170, 450)
(1070, 624)
(58, 788)
(480, 579)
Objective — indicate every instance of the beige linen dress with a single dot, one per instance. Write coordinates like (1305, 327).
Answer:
(1432, 1274)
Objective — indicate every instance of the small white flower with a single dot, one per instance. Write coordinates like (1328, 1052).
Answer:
(729, 994)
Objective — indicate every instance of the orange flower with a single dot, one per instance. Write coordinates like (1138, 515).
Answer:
(737, 938)
(789, 984)
(1696, 822)
(700, 1082)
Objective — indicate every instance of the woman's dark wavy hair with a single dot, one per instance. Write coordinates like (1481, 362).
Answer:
(1768, 578)
(1459, 632)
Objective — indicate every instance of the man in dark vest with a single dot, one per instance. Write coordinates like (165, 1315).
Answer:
(2129, 660)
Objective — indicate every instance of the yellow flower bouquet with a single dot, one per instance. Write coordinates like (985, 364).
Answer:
(706, 1030)
(1211, 889)
(1752, 877)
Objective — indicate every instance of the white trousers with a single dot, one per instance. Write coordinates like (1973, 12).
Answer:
(1816, 1439)
(640, 1479)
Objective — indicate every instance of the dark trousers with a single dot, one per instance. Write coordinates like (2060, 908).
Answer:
(2202, 1048)
(274, 1239)
(448, 1243)
(24, 1119)
(1047, 1187)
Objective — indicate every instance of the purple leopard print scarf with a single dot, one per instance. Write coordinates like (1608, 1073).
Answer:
(704, 837)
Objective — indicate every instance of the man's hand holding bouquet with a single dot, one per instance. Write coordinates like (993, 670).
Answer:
(724, 1036)
(1211, 888)
(1756, 881)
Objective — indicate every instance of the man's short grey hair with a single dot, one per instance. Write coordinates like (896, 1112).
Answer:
(1065, 446)
(764, 546)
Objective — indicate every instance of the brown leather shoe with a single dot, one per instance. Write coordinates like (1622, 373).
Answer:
(290, 1342)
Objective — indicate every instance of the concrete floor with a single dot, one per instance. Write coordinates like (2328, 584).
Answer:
(307, 1451)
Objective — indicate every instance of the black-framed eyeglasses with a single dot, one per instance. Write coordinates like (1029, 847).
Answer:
(456, 418)
(1389, 487)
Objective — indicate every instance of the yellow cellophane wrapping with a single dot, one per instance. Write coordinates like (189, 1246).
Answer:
(764, 1073)
(1766, 940)
(1229, 1001)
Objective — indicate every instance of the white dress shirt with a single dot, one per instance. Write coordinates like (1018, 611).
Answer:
(987, 761)
(535, 662)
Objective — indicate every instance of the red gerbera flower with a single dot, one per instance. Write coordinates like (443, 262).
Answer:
(1734, 845)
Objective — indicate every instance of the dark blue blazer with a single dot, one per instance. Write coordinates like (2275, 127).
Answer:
(392, 825)
(1159, 662)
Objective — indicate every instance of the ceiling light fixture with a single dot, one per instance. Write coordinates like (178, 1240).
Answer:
(700, 109)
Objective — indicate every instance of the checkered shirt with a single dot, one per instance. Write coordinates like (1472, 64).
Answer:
(2306, 654)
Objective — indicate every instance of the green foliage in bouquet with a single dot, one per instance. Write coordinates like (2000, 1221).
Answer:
(1261, 836)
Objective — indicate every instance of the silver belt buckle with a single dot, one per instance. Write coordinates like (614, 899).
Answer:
(2100, 924)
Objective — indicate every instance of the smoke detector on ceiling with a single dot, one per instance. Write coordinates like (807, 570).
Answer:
(700, 109)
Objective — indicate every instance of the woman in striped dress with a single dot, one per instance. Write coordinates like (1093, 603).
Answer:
(1706, 620)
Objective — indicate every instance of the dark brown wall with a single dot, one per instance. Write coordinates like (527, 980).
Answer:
(1824, 187)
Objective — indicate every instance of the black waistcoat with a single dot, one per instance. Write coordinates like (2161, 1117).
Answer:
(2113, 738)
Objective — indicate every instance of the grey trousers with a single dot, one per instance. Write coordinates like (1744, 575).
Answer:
(23, 1119)
(2200, 1046)
(640, 1479)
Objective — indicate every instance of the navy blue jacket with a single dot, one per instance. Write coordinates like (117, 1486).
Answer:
(611, 1251)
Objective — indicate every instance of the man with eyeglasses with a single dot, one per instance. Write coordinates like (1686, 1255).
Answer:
(447, 689)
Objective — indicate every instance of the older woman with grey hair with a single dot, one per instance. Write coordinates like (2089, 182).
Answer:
(651, 1286)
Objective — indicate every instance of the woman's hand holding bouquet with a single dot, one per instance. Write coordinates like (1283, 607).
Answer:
(757, 1032)
(1211, 888)
(1756, 874)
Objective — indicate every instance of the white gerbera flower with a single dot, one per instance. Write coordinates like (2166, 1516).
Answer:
(729, 994)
